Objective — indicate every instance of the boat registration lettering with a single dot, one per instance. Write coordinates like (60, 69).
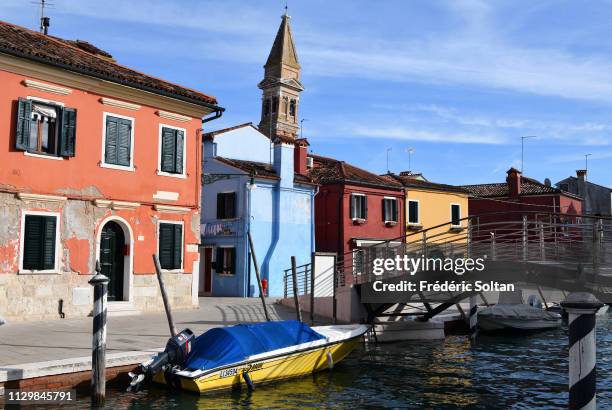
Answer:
(235, 371)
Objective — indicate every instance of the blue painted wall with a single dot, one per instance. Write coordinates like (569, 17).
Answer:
(279, 215)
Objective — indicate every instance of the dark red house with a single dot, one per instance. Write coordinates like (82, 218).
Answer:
(520, 195)
(354, 208)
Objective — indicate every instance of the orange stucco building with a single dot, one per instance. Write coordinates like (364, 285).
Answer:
(98, 163)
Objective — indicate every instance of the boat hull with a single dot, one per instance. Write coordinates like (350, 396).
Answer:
(499, 324)
(266, 370)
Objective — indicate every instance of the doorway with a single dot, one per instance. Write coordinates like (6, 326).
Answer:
(205, 271)
(112, 263)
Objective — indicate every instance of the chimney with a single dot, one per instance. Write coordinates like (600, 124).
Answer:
(514, 182)
(581, 174)
(299, 156)
(284, 159)
(209, 147)
(44, 25)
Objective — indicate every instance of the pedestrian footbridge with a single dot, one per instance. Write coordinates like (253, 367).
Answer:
(569, 253)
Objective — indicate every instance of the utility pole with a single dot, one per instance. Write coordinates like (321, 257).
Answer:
(523, 151)
(586, 162)
(302, 127)
(410, 152)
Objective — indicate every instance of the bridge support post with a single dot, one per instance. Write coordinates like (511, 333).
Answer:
(581, 308)
(473, 321)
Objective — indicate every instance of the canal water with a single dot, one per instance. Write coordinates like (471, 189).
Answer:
(499, 372)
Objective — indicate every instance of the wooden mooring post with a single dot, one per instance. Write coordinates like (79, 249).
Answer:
(261, 292)
(164, 295)
(296, 297)
(98, 347)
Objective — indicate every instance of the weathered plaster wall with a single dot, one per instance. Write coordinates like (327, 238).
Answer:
(35, 296)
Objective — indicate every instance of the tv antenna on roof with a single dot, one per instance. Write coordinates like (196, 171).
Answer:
(44, 21)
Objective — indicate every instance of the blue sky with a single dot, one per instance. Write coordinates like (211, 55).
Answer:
(458, 81)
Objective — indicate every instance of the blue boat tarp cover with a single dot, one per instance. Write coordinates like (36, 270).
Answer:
(226, 345)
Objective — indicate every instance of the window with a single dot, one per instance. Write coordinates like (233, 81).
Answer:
(274, 104)
(226, 205)
(172, 148)
(292, 108)
(226, 261)
(118, 141)
(266, 109)
(455, 215)
(358, 261)
(170, 245)
(389, 210)
(359, 206)
(45, 128)
(413, 212)
(39, 242)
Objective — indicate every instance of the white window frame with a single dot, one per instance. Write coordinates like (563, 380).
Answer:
(418, 222)
(58, 250)
(103, 164)
(159, 152)
(163, 221)
(451, 215)
(32, 154)
(351, 204)
(396, 209)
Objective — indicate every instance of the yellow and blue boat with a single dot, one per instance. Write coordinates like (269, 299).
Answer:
(248, 355)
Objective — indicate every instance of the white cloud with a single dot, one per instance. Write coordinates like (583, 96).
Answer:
(418, 134)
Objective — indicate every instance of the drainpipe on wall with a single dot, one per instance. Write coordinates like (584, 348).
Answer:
(247, 225)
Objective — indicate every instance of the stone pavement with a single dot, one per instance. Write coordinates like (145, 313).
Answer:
(32, 342)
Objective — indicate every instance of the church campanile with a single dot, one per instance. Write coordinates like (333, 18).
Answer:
(281, 86)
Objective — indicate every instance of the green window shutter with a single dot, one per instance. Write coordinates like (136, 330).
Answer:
(39, 242)
(353, 206)
(168, 150)
(219, 260)
(48, 259)
(178, 246)
(166, 245)
(24, 114)
(180, 137)
(68, 132)
(32, 243)
(384, 210)
(110, 149)
(124, 142)
(365, 207)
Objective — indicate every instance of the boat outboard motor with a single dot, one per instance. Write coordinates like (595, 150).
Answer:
(175, 354)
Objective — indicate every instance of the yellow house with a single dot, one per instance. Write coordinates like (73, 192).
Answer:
(429, 204)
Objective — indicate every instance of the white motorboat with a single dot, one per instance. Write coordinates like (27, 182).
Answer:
(517, 317)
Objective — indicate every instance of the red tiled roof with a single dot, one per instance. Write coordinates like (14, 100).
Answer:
(529, 186)
(261, 169)
(412, 181)
(331, 171)
(87, 59)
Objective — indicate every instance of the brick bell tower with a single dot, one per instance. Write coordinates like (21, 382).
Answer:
(281, 86)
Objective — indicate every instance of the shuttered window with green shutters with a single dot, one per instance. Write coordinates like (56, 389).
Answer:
(170, 245)
(39, 242)
(118, 141)
(172, 142)
(45, 128)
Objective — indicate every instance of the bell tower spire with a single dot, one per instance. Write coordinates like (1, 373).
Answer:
(281, 86)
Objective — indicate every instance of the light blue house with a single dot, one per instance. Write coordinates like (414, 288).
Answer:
(255, 179)
(243, 191)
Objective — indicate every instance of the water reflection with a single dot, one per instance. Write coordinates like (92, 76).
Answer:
(498, 372)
